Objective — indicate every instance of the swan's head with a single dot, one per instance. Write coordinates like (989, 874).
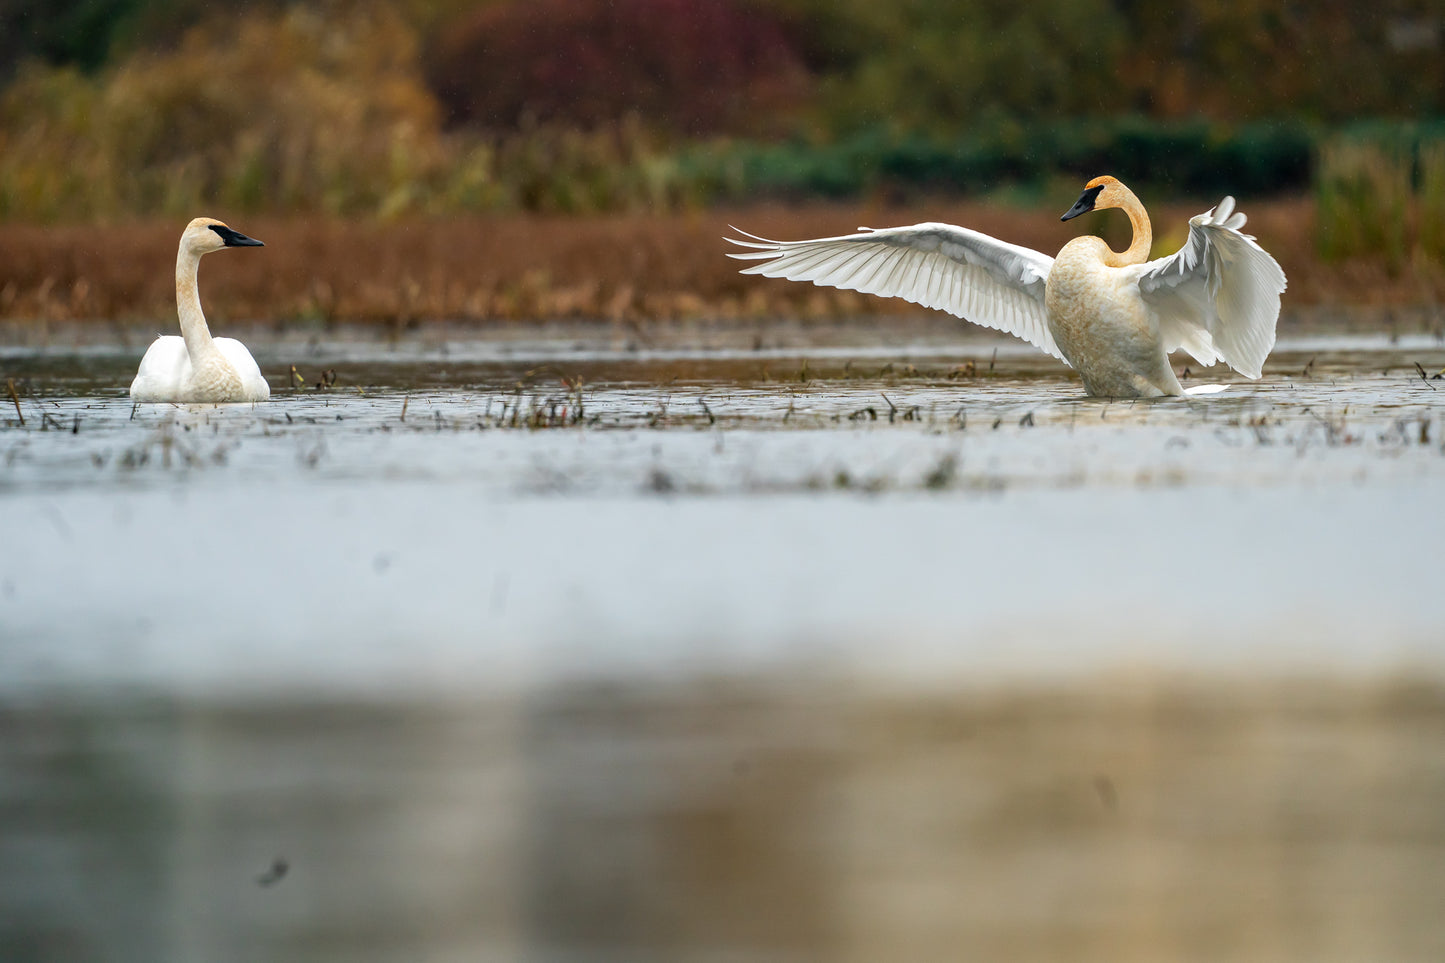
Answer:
(206, 234)
(1100, 194)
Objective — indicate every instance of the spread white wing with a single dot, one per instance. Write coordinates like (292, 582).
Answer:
(1218, 297)
(963, 272)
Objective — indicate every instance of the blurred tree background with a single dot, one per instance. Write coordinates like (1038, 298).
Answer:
(114, 108)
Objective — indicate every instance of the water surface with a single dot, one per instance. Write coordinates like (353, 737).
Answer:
(619, 649)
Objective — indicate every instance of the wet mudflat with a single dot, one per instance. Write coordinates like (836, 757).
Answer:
(566, 649)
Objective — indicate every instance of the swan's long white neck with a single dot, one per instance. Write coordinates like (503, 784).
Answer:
(199, 344)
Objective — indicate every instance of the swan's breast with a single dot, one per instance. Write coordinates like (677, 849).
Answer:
(214, 379)
(1102, 325)
(1082, 295)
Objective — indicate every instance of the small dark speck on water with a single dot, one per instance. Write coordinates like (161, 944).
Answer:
(1104, 787)
(274, 873)
(942, 474)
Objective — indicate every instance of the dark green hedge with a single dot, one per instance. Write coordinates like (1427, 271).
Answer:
(1193, 158)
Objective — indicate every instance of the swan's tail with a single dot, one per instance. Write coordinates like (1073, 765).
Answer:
(1205, 389)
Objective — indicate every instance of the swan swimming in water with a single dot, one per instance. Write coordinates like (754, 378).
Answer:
(196, 367)
(1114, 317)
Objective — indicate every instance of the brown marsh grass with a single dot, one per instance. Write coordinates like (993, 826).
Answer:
(516, 267)
(1383, 203)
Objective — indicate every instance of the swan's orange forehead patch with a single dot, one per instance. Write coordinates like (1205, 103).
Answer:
(1100, 182)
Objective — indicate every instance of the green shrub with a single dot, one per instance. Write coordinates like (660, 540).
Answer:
(1432, 200)
(1193, 159)
(1380, 191)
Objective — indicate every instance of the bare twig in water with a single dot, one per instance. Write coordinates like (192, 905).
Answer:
(992, 359)
(1423, 377)
(707, 411)
(1306, 373)
(892, 408)
(15, 397)
(404, 402)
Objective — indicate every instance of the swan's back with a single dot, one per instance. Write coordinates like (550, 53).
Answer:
(253, 384)
(165, 367)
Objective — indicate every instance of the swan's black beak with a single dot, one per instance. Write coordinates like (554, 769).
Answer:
(1085, 203)
(235, 238)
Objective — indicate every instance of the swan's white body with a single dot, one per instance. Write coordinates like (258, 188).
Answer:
(196, 367)
(1112, 317)
(166, 374)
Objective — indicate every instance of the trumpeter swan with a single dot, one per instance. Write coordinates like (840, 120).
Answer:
(1113, 317)
(196, 367)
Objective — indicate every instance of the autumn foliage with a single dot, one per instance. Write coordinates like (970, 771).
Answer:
(690, 66)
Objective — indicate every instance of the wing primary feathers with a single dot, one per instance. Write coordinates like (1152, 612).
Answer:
(963, 272)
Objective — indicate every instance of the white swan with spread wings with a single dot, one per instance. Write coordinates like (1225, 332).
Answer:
(1114, 317)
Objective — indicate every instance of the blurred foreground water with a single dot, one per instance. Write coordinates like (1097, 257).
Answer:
(580, 651)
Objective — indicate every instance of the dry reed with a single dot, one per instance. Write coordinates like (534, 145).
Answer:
(1382, 202)
(518, 267)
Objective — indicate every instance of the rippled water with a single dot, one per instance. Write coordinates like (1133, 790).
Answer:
(622, 649)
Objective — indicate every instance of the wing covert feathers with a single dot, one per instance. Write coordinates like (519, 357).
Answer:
(1218, 296)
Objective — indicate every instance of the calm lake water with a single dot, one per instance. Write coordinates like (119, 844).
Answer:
(737, 648)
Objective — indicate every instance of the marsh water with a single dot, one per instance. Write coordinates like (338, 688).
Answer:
(611, 644)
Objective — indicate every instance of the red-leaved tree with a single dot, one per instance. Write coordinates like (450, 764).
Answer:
(691, 66)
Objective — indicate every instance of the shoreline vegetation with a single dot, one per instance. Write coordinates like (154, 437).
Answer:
(580, 159)
(615, 267)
